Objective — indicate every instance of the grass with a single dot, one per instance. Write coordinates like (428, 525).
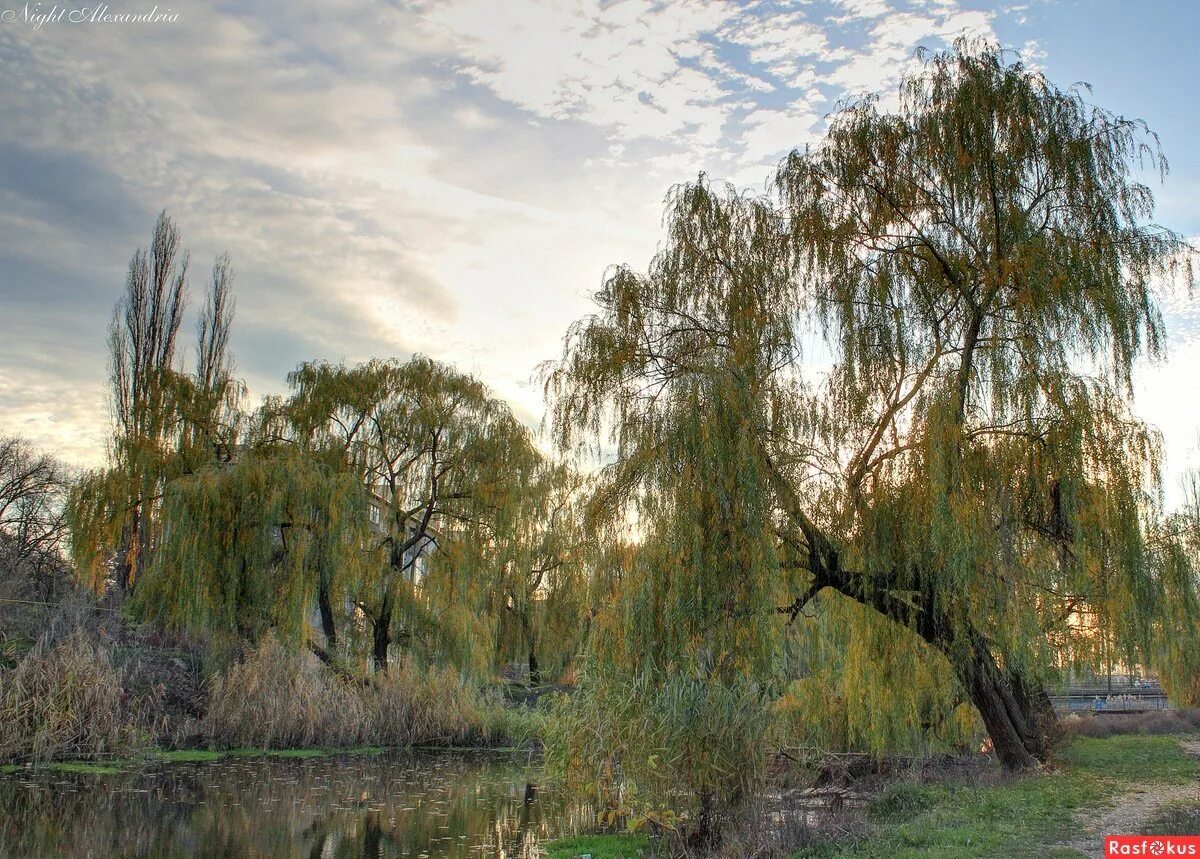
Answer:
(1015, 816)
(599, 847)
(86, 768)
(186, 756)
(1180, 818)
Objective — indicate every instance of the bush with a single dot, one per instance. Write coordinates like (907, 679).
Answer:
(281, 698)
(63, 700)
(644, 747)
(1153, 723)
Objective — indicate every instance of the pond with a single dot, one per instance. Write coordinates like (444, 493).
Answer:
(415, 804)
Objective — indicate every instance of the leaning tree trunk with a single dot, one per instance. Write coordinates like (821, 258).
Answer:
(1020, 721)
(1014, 740)
(1015, 709)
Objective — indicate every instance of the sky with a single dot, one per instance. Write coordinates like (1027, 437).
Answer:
(453, 177)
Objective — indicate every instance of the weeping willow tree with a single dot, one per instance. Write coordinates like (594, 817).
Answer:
(981, 265)
(246, 545)
(539, 554)
(1175, 549)
(165, 422)
(969, 472)
(679, 371)
(440, 460)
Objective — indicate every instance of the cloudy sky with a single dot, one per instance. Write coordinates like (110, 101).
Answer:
(453, 176)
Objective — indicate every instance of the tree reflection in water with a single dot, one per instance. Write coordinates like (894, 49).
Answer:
(434, 804)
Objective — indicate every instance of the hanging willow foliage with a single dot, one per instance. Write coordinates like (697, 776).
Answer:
(980, 262)
(245, 546)
(679, 367)
(1176, 553)
(466, 504)
(969, 472)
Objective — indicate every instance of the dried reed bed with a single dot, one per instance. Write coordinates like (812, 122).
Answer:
(64, 699)
(1155, 722)
(281, 698)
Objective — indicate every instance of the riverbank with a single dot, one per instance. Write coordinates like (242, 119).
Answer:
(153, 757)
(95, 695)
(1097, 786)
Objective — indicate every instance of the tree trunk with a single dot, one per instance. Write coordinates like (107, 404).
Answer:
(1015, 709)
(129, 554)
(993, 697)
(1034, 702)
(327, 625)
(535, 673)
(1021, 723)
(383, 635)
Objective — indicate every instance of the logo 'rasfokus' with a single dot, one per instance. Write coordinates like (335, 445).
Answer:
(1151, 845)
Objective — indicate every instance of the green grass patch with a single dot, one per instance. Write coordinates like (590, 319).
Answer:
(86, 768)
(1131, 758)
(1015, 816)
(599, 847)
(187, 756)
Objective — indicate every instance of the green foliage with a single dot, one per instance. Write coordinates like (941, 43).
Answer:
(968, 470)
(447, 466)
(646, 744)
(166, 422)
(857, 688)
(1175, 546)
(246, 543)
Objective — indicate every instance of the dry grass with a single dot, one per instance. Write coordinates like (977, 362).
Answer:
(1157, 722)
(63, 700)
(279, 698)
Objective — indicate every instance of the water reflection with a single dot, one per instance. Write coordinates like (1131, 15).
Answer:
(416, 805)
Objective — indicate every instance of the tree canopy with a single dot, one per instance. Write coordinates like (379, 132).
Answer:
(978, 268)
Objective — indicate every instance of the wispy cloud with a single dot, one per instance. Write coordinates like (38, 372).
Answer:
(444, 176)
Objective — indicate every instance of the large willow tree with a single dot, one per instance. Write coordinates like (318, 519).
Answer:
(680, 371)
(981, 262)
(969, 469)
(442, 461)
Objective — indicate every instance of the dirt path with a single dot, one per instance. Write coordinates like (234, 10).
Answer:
(1132, 809)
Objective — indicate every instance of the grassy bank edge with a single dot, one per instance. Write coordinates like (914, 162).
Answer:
(598, 847)
(112, 766)
(1021, 816)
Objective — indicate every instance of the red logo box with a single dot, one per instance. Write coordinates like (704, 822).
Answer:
(1151, 845)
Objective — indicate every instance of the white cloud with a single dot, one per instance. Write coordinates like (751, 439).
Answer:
(448, 176)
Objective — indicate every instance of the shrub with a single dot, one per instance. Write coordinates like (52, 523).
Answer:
(641, 745)
(63, 700)
(1157, 722)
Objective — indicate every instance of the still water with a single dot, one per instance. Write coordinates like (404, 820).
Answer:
(397, 804)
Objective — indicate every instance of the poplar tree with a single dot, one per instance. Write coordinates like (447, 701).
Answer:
(166, 422)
